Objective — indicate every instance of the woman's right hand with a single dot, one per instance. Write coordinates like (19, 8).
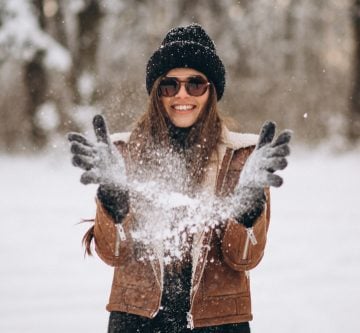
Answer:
(103, 165)
(102, 162)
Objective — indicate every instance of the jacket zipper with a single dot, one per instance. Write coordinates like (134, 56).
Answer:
(161, 291)
(250, 237)
(190, 320)
(189, 316)
(120, 236)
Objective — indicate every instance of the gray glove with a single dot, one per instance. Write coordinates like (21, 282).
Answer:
(101, 160)
(258, 173)
(103, 165)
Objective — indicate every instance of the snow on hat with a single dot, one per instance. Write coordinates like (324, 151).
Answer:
(191, 47)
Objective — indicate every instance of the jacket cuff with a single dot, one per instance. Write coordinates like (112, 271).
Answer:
(249, 217)
(114, 201)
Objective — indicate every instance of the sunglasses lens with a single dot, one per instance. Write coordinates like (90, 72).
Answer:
(168, 87)
(196, 86)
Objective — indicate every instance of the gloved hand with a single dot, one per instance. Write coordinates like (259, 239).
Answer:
(258, 173)
(103, 165)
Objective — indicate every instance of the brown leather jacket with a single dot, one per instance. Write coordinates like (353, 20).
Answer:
(220, 288)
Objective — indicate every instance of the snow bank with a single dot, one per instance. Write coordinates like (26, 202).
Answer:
(307, 281)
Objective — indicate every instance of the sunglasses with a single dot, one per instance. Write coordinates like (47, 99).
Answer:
(194, 86)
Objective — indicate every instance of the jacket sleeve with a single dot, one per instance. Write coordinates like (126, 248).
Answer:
(242, 247)
(113, 242)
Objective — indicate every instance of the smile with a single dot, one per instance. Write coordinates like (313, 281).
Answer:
(183, 107)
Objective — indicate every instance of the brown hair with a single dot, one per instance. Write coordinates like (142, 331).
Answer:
(87, 239)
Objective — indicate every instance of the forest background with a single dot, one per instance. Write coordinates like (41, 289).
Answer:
(292, 61)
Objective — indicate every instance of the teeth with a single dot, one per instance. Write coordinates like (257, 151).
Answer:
(183, 107)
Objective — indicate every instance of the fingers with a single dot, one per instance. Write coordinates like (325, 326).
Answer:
(90, 177)
(283, 138)
(266, 134)
(82, 162)
(100, 129)
(270, 166)
(278, 163)
(72, 137)
(274, 180)
(273, 164)
(81, 149)
(279, 151)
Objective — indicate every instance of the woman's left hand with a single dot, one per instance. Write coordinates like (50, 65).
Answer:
(267, 158)
(258, 173)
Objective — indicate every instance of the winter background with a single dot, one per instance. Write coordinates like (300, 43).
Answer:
(293, 61)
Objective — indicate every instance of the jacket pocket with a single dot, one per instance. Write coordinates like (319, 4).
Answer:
(220, 280)
(243, 305)
(142, 298)
(215, 307)
(135, 274)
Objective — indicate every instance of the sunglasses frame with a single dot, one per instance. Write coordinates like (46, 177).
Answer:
(186, 82)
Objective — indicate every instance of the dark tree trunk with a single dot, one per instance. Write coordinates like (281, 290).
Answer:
(36, 86)
(290, 28)
(354, 119)
(88, 38)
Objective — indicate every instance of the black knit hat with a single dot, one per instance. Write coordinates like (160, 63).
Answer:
(190, 47)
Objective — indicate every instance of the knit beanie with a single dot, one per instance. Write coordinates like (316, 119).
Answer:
(190, 47)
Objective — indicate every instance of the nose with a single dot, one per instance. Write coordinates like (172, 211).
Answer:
(182, 92)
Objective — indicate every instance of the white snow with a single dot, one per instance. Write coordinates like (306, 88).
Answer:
(308, 280)
(86, 85)
(47, 116)
(21, 37)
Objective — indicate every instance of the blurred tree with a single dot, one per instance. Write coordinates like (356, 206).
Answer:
(27, 47)
(36, 86)
(354, 119)
(290, 36)
(89, 19)
(287, 60)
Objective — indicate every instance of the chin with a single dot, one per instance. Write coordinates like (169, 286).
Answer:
(182, 124)
(183, 121)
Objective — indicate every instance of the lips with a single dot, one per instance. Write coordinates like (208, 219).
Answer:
(183, 108)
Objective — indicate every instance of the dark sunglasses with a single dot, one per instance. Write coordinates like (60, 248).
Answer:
(194, 86)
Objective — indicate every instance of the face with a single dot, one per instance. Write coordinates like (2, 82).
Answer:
(184, 109)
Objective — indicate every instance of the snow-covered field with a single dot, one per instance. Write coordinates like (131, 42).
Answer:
(308, 281)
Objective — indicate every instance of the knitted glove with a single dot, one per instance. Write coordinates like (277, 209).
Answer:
(258, 173)
(103, 165)
(114, 200)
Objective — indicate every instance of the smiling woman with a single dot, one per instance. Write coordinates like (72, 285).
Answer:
(188, 99)
(181, 265)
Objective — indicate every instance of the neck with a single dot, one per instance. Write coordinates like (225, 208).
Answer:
(178, 135)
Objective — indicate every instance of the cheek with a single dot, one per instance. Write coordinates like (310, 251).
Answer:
(165, 104)
(203, 100)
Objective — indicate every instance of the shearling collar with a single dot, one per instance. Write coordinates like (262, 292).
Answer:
(228, 138)
(236, 140)
(121, 136)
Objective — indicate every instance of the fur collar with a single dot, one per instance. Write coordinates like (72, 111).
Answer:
(237, 140)
(228, 138)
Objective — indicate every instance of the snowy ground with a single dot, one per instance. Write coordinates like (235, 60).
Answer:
(307, 282)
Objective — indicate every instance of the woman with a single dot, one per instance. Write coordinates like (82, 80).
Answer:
(195, 276)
